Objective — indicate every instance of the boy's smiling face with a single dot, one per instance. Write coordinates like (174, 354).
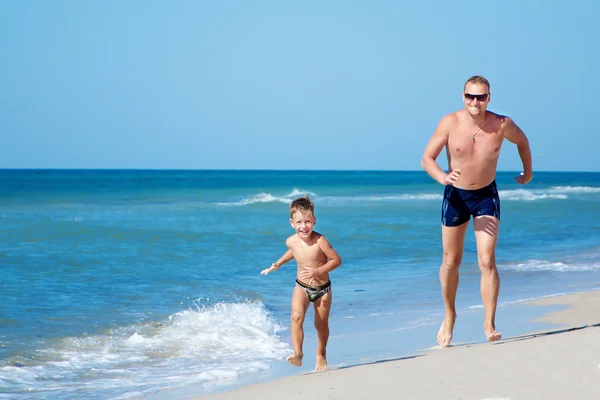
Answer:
(303, 224)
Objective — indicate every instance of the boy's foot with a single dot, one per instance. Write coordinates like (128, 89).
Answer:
(491, 334)
(321, 363)
(295, 359)
(444, 335)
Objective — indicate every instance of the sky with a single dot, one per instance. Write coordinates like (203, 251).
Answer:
(332, 85)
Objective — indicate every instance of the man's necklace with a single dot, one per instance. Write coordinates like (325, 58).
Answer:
(478, 129)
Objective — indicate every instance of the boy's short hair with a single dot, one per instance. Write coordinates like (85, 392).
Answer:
(302, 204)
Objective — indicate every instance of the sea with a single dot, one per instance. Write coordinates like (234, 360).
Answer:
(123, 284)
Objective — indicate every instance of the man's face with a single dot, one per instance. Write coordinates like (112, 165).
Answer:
(476, 98)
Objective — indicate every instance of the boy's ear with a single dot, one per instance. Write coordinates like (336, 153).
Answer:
(291, 223)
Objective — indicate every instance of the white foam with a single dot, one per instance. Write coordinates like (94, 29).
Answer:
(529, 195)
(269, 198)
(576, 189)
(200, 346)
(401, 197)
(421, 197)
(554, 266)
(553, 193)
(258, 198)
(299, 192)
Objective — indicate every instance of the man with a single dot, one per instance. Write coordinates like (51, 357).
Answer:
(472, 138)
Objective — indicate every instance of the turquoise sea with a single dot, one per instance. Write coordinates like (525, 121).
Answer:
(122, 284)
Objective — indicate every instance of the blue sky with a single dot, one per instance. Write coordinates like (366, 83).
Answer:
(284, 85)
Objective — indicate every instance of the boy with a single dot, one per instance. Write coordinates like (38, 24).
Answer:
(315, 258)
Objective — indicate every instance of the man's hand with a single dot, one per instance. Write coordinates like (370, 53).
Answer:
(272, 268)
(523, 179)
(452, 177)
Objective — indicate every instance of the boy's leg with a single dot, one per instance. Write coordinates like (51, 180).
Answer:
(322, 309)
(300, 303)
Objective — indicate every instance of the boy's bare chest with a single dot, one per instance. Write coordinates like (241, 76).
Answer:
(305, 253)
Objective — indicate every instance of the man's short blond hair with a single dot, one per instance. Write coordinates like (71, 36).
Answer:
(302, 204)
(478, 80)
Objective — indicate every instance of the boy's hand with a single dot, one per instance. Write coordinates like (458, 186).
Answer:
(309, 275)
(272, 268)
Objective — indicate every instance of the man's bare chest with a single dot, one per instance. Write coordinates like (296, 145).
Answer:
(461, 144)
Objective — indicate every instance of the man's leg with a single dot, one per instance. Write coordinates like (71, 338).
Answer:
(453, 242)
(300, 303)
(322, 309)
(486, 235)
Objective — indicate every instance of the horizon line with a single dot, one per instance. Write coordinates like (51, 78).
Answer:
(260, 170)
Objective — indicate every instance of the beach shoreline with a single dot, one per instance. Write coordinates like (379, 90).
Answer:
(559, 362)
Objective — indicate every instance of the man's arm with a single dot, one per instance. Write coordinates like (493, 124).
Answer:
(433, 150)
(515, 135)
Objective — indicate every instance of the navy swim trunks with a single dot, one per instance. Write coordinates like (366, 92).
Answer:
(459, 204)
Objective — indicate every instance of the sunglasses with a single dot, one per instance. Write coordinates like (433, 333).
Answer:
(479, 97)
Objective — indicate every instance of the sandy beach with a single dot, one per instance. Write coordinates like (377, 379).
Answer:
(562, 362)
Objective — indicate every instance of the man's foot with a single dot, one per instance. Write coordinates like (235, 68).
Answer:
(321, 363)
(491, 333)
(295, 359)
(444, 335)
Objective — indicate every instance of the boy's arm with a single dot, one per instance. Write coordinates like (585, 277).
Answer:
(332, 255)
(334, 261)
(287, 256)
